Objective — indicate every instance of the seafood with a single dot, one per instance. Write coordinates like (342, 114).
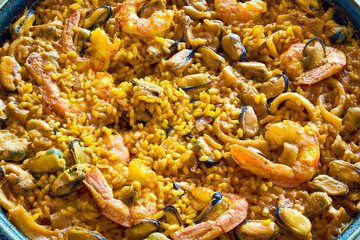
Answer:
(298, 162)
(228, 220)
(129, 21)
(233, 11)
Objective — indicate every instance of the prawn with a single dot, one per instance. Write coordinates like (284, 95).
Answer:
(232, 11)
(298, 162)
(228, 220)
(116, 146)
(37, 64)
(292, 60)
(130, 22)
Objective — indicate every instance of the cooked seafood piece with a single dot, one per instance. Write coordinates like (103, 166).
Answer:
(256, 229)
(294, 221)
(329, 185)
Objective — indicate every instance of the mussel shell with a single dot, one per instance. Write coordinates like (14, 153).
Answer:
(98, 17)
(21, 180)
(143, 229)
(211, 209)
(48, 161)
(329, 185)
(68, 182)
(256, 70)
(340, 36)
(21, 26)
(345, 172)
(309, 6)
(181, 60)
(180, 29)
(314, 56)
(351, 121)
(77, 151)
(177, 187)
(211, 163)
(172, 215)
(248, 122)
(233, 47)
(294, 221)
(128, 194)
(274, 86)
(169, 131)
(211, 59)
(256, 229)
(195, 81)
(78, 233)
(248, 97)
(149, 87)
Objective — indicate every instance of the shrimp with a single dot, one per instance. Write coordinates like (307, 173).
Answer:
(69, 32)
(233, 216)
(232, 11)
(41, 67)
(292, 60)
(114, 209)
(116, 146)
(298, 162)
(130, 22)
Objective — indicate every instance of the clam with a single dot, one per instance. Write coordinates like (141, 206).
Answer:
(256, 229)
(194, 81)
(149, 87)
(181, 60)
(48, 161)
(10, 76)
(128, 194)
(294, 221)
(68, 182)
(172, 215)
(204, 151)
(309, 6)
(78, 233)
(256, 70)
(340, 35)
(345, 172)
(78, 152)
(98, 17)
(329, 185)
(21, 181)
(211, 59)
(148, 8)
(143, 229)
(274, 86)
(12, 148)
(351, 121)
(314, 53)
(214, 209)
(317, 203)
(248, 122)
(249, 97)
(233, 47)
(22, 26)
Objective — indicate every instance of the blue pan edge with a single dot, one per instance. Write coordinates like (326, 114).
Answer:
(11, 9)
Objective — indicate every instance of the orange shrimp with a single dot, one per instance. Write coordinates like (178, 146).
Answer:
(130, 22)
(228, 220)
(115, 145)
(298, 162)
(292, 60)
(232, 11)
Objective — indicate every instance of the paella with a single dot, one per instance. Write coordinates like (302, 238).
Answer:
(180, 119)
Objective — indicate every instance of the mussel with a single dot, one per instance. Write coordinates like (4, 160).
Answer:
(195, 13)
(256, 229)
(248, 122)
(202, 123)
(143, 116)
(211, 59)
(205, 153)
(22, 25)
(309, 6)
(98, 17)
(169, 131)
(233, 47)
(317, 203)
(10, 76)
(78, 233)
(3, 114)
(151, 88)
(228, 76)
(256, 70)
(250, 96)
(195, 81)
(12, 148)
(351, 121)
(143, 229)
(157, 236)
(214, 209)
(80, 39)
(21, 181)
(48, 161)
(345, 172)
(340, 35)
(314, 53)
(78, 152)
(274, 86)
(180, 28)
(176, 187)
(294, 221)
(181, 60)
(172, 215)
(128, 194)
(329, 185)
(68, 182)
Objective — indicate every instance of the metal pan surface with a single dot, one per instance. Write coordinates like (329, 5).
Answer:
(346, 11)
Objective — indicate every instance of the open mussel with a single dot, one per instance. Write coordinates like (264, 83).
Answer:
(143, 229)
(309, 6)
(250, 96)
(21, 181)
(329, 185)
(314, 53)
(12, 148)
(151, 88)
(294, 221)
(214, 209)
(22, 26)
(233, 47)
(256, 70)
(194, 81)
(68, 182)
(351, 121)
(78, 152)
(78, 233)
(172, 215)
(211, 59)
(180, 29)
(205, 153)
(10, 76)
(128, 194)
(98, 17)
(181, 60)
(274, 86)
(340, 35)
(248, 122)
(256, 229)
(48, 161)
(345, 172)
